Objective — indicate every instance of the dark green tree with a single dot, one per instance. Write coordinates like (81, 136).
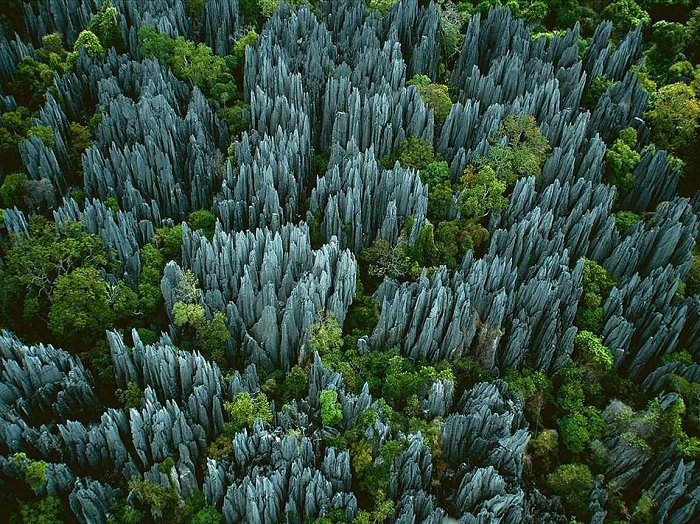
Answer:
(674, 118)
(105, 25)
(573, 483)
(244, 409)
(413, 153)
(436, 96)
(204, 220)
(212, 338)
(80, 309)
(13, 189)
(45, 511)
(625, 16)
(482, 193)
(331, 410)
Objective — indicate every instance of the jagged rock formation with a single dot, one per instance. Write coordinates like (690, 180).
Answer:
(360, 201)
(39, 383)
(271, 285)
(333, 81)
(483, 310)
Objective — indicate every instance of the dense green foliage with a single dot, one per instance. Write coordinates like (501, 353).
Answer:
(61, 284)
(436, 96)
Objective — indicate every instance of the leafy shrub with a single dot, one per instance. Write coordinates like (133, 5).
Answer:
(331, 411)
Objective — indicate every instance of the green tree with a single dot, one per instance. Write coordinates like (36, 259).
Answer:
(159, 500)
(224, 90)
(51, 251)
(212, 338)
(534, 388)
(674, 117)
(52, 48)
(188, 315)
(13, 189)
(593, 353)
(244, 409)
(325, 335)
(33, 78)
(331, 410)
(363, 314)
(644, 510)
(13, 130)
(187, 289)
(436, 173)
(669, 43)
(152, 264)
(295, 385)
(88, 41)
(35, 74)
(35, 474)
(34, 470)
(80, 139)
(452, 19)
(524, 152)
(453, 238)
(197, 64)
(105, 25)
(382, 260)
(239, 47)
(573, 483)
(267, 7)
(482, 194)
(361, 455)
(149, 294)
(251, 12)
(80, 310)
(621, 159)
(169, 239)
(207, 515)
(404, 380)
(423, 250)
(692, 281)
(436, 96)
(692, 35)
(625, 16)
(125, 303)
(543, 450)
(220, 448)
(204, 220)
(100, 359)
(236, 117)
(596, 283)
(597, 88)
(46, 511)
(381, 7)
(123, 513)
(596, 279)
(131, 397)
(439, 201)
(624, 220)
(413, 153)
(44, 133)
(383, 509)
(156, 45)
(194, 7)
(574, 431)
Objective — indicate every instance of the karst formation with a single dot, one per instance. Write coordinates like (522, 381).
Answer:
(333, 261)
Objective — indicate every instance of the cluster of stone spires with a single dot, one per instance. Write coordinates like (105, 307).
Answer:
(342, 88)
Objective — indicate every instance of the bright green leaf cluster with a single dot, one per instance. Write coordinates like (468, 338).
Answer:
(436, 96)
(245, 409)
(331, 410)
